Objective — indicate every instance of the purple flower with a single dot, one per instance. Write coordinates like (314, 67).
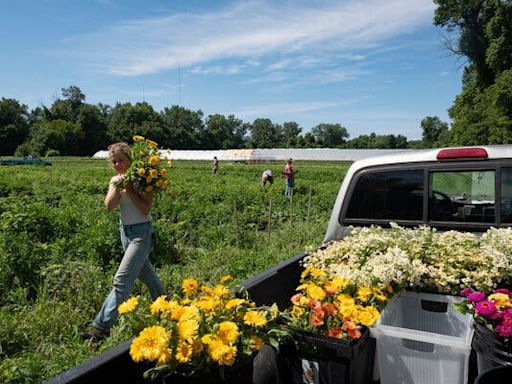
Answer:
(466, 292)
(502, 290)
(485, 308)
(476, 296)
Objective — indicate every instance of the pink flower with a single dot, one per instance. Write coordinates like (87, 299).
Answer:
(476, 296)
(504, 330)
(485, 308)
(466, 292)
(502, 290)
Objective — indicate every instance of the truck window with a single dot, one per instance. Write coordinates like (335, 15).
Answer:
(462, 196)
(506, 195)
(390, 195)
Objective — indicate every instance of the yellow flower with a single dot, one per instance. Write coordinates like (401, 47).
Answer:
(187, 330)
(207, 304)
(257, 342)
(221, 353)
(226, 278)
(228, 332)
(345, 300)
(158, 183)
(165, 183)
(315, 292)
(165, 357)
(189, 312)
(154, 160)
(141, 171)
(184, 352)
(128, 306)
(233, 303)
(150, 344)
(138, 138)
(149, 189)
(501, 300)
(367, 315)
(190, 287)
(255, 319)
(152, 144)
(153, 173)
(163, 172)
(364, 294)
(297, 312)
(160, 305)
(221, 291)
(317, 272)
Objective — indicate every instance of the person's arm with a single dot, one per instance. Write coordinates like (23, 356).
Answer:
(143, 202)
(113, 194)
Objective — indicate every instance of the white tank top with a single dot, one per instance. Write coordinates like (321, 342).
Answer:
(130, 214)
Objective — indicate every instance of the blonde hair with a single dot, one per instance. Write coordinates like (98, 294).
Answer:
(120, 148)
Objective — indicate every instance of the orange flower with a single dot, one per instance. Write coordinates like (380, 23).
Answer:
(316, 319)
(336, 332)
(329, 309)
(296, 298)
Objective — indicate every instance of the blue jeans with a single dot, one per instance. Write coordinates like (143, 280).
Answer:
(289, 187)
(137, 244)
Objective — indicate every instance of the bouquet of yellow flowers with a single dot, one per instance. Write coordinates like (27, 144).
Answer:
(147, 172)
(200, 329)
(333, 306)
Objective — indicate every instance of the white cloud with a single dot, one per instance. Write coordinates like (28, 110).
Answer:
(248, 31)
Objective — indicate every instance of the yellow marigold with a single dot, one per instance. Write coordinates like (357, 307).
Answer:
(345, 300)
(187, 330)
(138, 138)
(152, 144)
(159, 183)
(163, 172)
(176, 310)
(150, 344)
(315, 292)
(208, 304)
(190, 287)
(153, 173)
(501, 300)
(160, 305)
(149, 189)
(165, 183)
(228, 332)
(184, 352)
(233, 303)
(317, 272)
(154, 160)
(336, 284)
(128, 306)
(257, 342)
(189, 312)
(255, 319)
(306, 271)
(141, 171)
(364, 294)
(367, 315)
(297, 312)
(149, 179)
(275, 311)
(225, 279)
(221, 353)
(165, 357)
(221, 291)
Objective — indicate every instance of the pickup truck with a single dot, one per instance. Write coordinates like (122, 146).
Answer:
(464, 188)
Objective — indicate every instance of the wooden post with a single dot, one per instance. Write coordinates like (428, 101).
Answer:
(309, 204)
(235, 217)
(269, 218)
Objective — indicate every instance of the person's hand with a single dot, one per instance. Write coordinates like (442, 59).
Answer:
(117, 181)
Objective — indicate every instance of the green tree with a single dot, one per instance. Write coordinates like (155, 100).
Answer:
(223, 132)
(13, 125)
(182, 128)
(291, 133)
(127, 120)
(330, 135)
(433, 130)
(58, 135)
(266, 134)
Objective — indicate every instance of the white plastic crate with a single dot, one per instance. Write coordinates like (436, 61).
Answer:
(422, 339)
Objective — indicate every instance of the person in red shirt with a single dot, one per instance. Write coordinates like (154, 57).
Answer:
(289, 174)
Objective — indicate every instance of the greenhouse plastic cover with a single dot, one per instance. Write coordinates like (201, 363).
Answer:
(326, 154)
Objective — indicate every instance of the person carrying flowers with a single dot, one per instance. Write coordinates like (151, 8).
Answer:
(140, 173)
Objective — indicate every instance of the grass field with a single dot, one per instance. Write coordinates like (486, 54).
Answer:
(59, 247)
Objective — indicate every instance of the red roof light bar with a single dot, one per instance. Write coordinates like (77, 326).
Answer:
(462, 153)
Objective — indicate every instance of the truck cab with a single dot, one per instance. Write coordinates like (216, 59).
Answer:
(464, 188)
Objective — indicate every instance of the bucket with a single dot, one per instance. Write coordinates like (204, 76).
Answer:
(490, 349)
(495, 375)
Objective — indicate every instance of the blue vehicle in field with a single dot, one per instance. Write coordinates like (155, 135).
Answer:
(27, 160)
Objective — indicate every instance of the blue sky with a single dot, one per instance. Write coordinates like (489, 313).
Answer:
(369, 65)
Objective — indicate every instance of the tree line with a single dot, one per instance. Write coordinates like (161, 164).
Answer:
(479, 31)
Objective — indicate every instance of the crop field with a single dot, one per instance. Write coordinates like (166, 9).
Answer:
(59, 247)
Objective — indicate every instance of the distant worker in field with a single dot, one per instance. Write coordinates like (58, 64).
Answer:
(215, 165)
(136, 231)
(267, 177)
(289, 174)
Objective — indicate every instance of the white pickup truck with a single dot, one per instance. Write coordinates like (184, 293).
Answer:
(466, 189)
